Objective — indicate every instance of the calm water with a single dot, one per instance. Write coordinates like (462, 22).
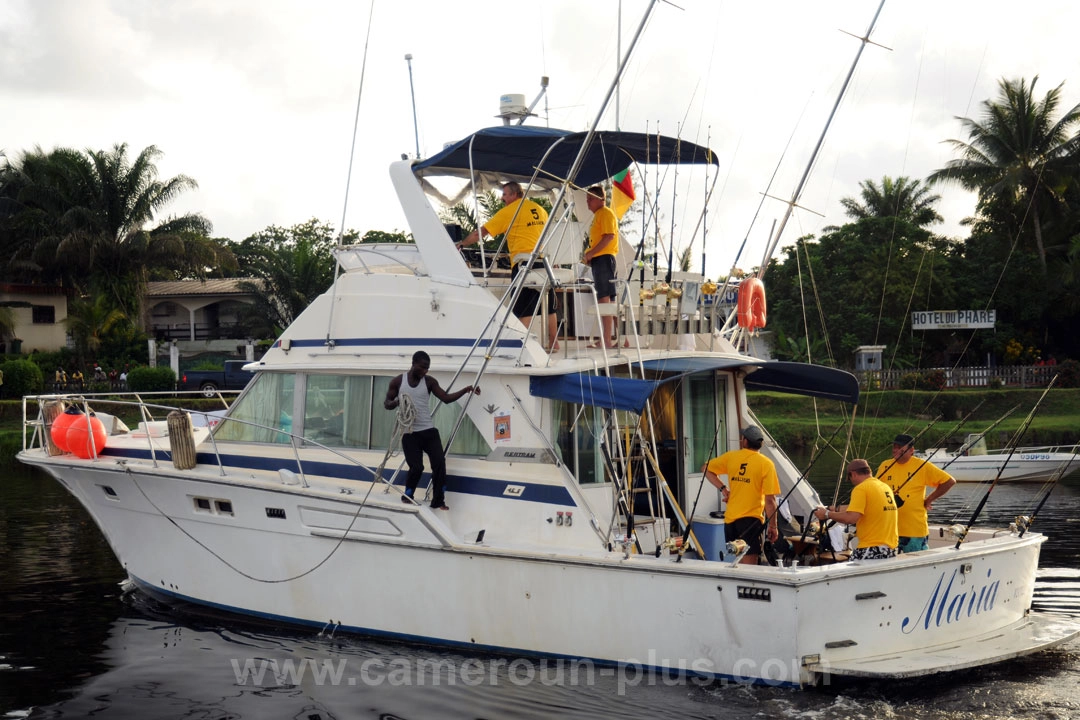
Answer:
(74, 645)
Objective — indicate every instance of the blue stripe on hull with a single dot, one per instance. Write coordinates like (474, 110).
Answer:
(464, 484)
(403, 341)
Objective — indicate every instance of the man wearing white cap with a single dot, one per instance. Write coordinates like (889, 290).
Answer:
(751, 497)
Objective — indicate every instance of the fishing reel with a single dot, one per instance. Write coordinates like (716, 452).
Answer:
(957, 531)
(673, 545)
(737, 548)
(1021, 524)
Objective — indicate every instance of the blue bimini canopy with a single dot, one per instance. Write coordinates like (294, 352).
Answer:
(518, 151)
(594, 390)
(627, 394)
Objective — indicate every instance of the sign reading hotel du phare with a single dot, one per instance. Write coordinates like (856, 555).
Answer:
(953, 319)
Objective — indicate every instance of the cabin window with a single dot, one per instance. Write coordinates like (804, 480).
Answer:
(468, 441)
(332, 405)
(264, 413)
(338, 411)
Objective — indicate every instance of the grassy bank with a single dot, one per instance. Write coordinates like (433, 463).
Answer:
(796, 421)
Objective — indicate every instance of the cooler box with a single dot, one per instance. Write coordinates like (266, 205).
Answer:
(710, 533)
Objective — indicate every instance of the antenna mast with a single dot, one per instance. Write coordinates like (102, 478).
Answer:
(412, 94)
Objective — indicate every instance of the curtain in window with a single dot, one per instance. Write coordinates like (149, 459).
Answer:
(266, 407)
(701, 399)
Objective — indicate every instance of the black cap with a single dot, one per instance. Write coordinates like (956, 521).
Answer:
(752, 433)
(904, 440)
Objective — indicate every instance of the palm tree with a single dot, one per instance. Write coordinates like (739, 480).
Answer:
(464, 214)
(902, 198)
(1018, 156)
(93, 219)
(290, 267)
(90, 322)
(7, 322)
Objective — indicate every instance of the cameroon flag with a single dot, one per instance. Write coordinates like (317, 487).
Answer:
(622, 193)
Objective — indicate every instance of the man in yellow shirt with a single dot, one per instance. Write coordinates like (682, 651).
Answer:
(909, 479)
(603, 247)
(750, 494)
(522, 229)
(872, 510)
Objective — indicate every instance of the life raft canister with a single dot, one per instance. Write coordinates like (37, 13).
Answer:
(751, 307)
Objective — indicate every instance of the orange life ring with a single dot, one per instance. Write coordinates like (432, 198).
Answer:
(751, 308)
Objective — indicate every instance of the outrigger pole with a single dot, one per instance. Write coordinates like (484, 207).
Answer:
(1012, 449)
(918, 435)
(836, 497)
(953, 431)
(775, 240)
(967, 444)
(1061, 472)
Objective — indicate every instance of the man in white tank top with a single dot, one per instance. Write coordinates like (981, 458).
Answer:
(424, 437)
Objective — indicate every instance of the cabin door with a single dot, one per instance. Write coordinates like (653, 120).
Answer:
(702, 428)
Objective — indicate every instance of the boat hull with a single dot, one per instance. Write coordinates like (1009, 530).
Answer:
(369, 565)
(1022, 467)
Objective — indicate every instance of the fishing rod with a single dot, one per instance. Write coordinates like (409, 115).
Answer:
(805, 473)
(836, 493)
(1012, 449)
(624, 506)
(978, 436)
(701, 483)
(896, 493)
(1061, 472)
(813, 459)
(918, 435)
(847, 448)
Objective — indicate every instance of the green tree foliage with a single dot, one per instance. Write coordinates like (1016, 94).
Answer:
(91, 321)
(7, 323)
(1020, 159)
(1023, 160)
(470, 215)
(381, 236)
(92, 221)
(902, 198)
(860, 283)
(151, 379)
(21, 377)
(289, 268)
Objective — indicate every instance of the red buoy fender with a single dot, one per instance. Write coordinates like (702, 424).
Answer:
(751, 307)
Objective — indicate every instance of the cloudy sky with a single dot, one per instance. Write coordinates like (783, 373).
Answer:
(255, 99)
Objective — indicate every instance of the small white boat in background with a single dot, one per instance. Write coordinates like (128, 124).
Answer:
(972, 462)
